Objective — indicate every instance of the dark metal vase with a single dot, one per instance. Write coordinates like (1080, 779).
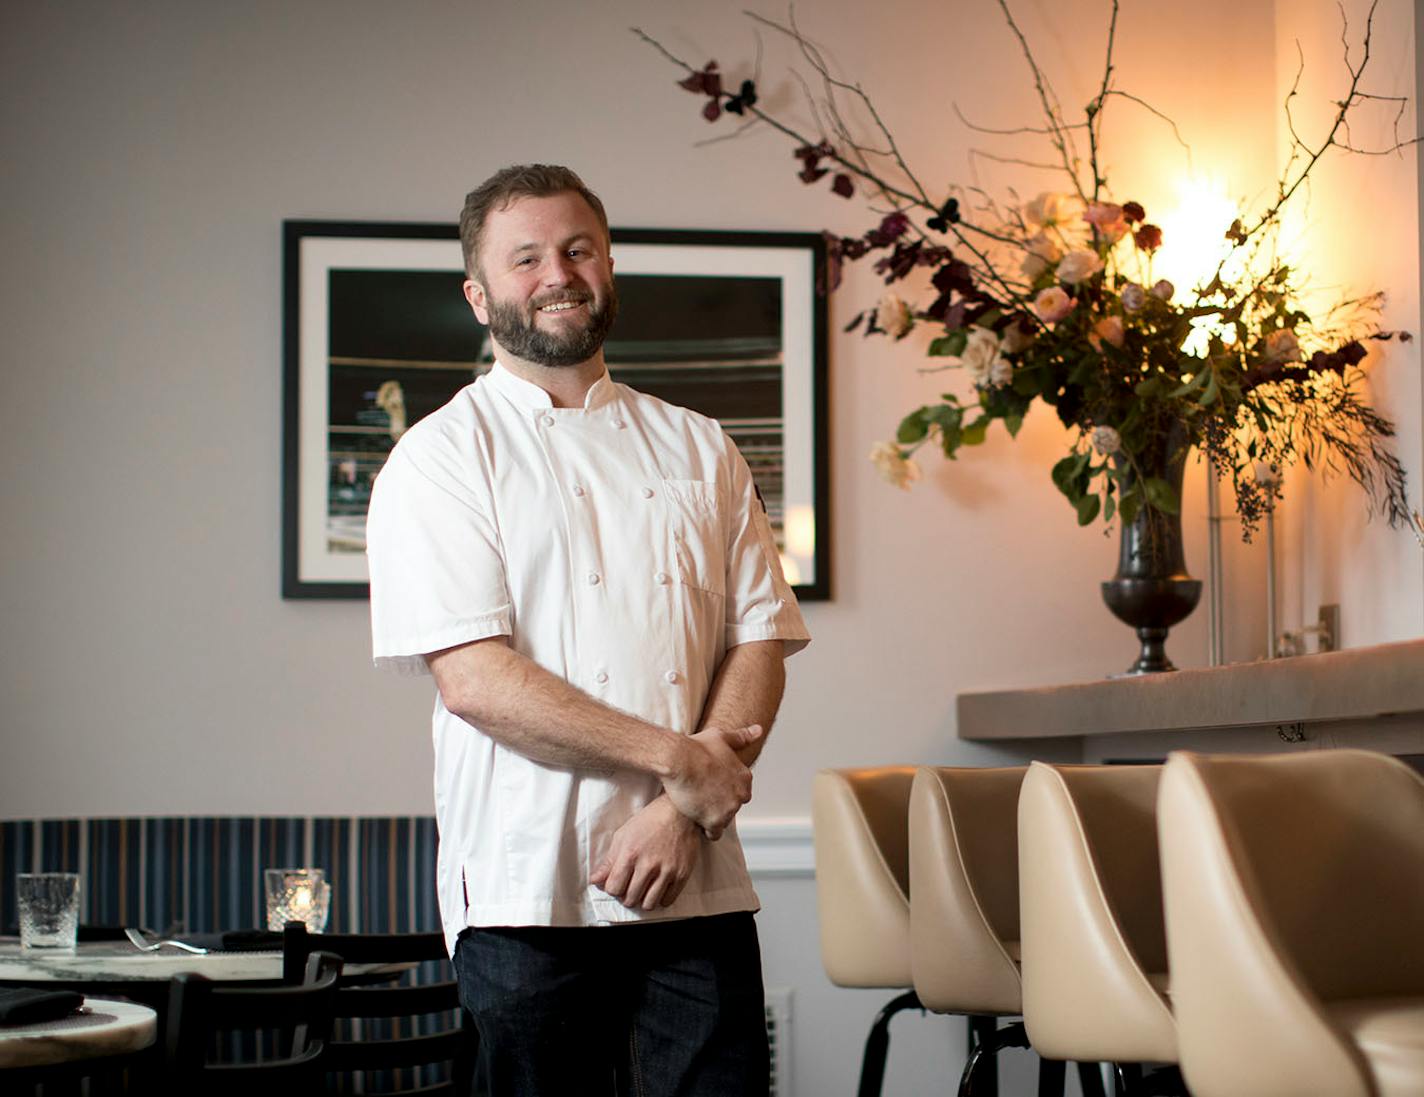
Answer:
(1152, 590)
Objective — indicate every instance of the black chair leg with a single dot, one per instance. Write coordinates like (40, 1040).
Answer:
(1090, 1080)
(1128, 1078)
(877, 1044)
(1052, 1074)
(983, 1056)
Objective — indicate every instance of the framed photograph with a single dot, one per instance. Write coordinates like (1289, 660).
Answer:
(377, 334)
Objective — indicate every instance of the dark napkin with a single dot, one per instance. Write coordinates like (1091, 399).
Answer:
(235, 940)
(22, 1006)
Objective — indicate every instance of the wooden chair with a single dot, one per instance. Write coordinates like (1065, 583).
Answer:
(200, 1012)
(417, 1029)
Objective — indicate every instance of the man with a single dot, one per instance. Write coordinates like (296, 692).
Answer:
(590, 578)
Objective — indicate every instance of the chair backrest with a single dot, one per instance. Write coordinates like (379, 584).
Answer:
(384, 1024)
(860, 819)
(1093, 943)
(964, 889)
(200, 1011)
(1291, 881)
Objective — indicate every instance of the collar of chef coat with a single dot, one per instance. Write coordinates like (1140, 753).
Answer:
(530, 397)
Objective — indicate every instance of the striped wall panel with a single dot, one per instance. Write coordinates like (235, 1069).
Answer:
(206, 873)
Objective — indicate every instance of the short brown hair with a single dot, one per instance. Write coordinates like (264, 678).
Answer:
(502, 188)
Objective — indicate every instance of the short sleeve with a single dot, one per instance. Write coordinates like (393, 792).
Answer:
(760, 603)
(437, 571)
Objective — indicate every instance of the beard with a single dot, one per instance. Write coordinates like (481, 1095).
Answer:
(515, 328)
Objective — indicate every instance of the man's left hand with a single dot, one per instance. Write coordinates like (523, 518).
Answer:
(650, 857)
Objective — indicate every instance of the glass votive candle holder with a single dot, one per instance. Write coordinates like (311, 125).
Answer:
(297, 895)
(49, 909)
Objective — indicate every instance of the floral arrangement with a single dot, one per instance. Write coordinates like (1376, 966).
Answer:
(1054, 300)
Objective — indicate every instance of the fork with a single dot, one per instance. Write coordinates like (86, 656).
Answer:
(143, 945)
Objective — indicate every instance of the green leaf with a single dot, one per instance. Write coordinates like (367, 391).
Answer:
(913, 427)
(1068, 475)
(1207, 398)
(1088, 507)
(1012, 423)
(1198, 380)
(973, 434)
(1161, 495)
(1128, 508)
(1150, 387)
(1109, 505)
(949, 346)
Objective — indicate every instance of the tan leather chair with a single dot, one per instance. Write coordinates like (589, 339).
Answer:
(860, 822)
(1295, 913)
(1091, 932)
(964, 911)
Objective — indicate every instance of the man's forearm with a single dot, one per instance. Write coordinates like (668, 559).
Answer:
(747, 690)
(519, 704)
(541, 716)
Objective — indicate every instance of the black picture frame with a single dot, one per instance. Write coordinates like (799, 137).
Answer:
(376, 334)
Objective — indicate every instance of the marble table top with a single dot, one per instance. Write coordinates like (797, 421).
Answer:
(120, 962)
(104, 1028)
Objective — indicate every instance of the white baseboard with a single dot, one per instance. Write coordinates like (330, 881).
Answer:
(777, 846)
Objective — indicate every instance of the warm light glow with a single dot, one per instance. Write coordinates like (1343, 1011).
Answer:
(1194, 234)
(800, 530)
(790, 569)
(1193, 246)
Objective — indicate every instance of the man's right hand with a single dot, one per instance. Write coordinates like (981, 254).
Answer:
(711, 783)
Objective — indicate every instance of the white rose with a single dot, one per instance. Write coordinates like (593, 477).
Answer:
(979, 354)
(1050, 208)
(1001, 372)
(1078, 266)
(1042, 253)
(893, 316)
(1106, 440)
(894, 469)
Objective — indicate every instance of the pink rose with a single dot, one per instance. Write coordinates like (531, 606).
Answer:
(1053, 304)
(1102, 214)
(1106, 330)
(1282, 346)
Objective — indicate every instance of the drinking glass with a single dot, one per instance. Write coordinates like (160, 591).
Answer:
(297, 895)
(49, 909)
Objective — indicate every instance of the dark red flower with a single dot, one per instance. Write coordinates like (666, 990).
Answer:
(706, 82)
(711, 111)
(842, 185)
(1148, 237)
(1133, 212)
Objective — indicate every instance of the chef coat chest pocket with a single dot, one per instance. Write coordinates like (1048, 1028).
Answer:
(699, 545)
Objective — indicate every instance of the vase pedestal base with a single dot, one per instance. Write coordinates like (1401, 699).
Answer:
(1152, 607)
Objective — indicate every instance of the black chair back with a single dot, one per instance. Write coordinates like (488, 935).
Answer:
(416, 1030)
(201, 1012)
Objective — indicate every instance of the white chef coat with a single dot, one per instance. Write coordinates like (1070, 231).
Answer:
(619, 545)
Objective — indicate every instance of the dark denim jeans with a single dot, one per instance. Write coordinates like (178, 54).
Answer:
(655, 1009)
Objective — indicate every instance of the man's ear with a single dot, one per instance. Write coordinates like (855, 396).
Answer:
(479, 302)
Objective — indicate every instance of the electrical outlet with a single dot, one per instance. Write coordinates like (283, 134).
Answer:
(1329, 634)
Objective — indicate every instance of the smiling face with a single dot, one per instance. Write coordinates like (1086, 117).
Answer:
(544, 282)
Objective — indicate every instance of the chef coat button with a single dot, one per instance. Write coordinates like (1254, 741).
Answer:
(671, 676)
(600, 677)
(578, 490)
(647, 493)
(662, 578)
(548, 420)
(619, 424)
(593, 578)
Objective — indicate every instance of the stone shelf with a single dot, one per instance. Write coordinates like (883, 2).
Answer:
(1382, 685)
